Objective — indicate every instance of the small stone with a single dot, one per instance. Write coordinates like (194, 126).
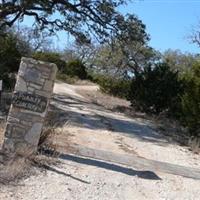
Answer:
(30, 89)
(8, 145)
(13, 119)
(48, 86)
(43, 93)
(36, 86)
(18, 132)
(33, 135)
(21, 85)
(23, 148)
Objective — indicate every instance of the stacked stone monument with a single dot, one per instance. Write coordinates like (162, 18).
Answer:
(29, 106)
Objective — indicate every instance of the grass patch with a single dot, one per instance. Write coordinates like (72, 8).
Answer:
(67, 79)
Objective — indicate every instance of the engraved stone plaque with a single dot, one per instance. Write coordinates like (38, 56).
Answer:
(32, 102)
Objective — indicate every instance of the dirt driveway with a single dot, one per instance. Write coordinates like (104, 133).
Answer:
(95, 127)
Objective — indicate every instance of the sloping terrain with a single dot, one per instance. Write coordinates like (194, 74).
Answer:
(90, 126)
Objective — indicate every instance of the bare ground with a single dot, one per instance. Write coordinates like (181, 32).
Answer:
(87, 124)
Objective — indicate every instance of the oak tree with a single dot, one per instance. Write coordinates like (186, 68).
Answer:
(80, 18)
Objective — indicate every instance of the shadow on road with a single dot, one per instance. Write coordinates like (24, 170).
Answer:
(52, 169)
(73, 109)
(113, 167)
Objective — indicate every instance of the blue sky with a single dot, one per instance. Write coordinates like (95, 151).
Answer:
(169, 23)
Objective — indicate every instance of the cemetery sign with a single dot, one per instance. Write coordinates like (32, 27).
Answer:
(32, 102)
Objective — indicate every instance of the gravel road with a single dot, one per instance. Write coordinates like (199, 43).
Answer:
(95, 127)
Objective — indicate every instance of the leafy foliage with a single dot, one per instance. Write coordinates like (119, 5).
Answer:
(50, 57)
(191, 100)
(31, 40)
(178, 61)
(9, 58)
(111, 85)
(123, 63)
(128, 51)
(156, 89)
(79, 18)
(14, 45)
(9, 53)
(76, 68)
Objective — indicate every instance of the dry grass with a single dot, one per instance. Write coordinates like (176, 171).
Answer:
(47, 143)
(48, 147)
(53, 129)
(169, 128)
(85, 82)
(13, 169)
(105, 100)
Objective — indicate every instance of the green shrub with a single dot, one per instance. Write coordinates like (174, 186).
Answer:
(191, 100)
(10, 57)
(76, 68)
(111, 85)
(50, 57)
(156, 89)
(9, 81)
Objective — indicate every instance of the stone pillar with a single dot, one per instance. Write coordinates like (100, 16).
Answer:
(30, 101)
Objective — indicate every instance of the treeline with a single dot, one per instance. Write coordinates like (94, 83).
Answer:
(170, 85)
(26, 42)
(153, 82)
